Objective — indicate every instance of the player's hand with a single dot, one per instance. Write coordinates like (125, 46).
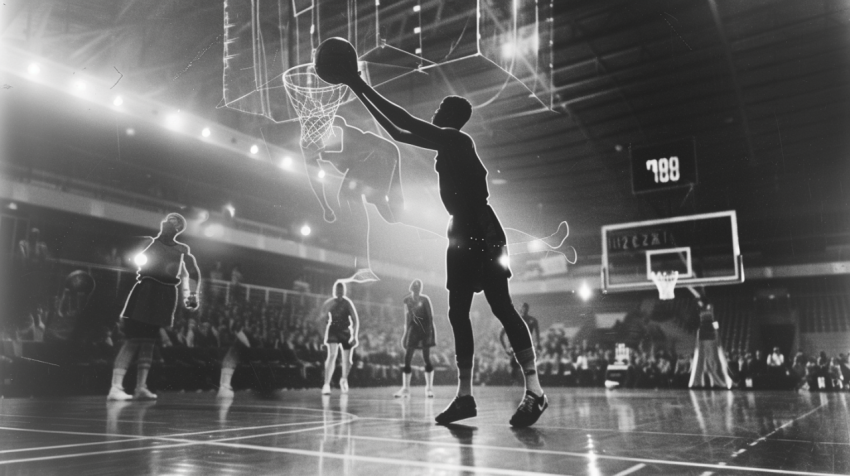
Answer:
(191, 302)
(330, 217)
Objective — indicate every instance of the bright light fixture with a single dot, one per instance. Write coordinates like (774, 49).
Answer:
(140, 259)
(117, 101)
(205, 132)
(254, 149)
(305, 230)
(34, 68)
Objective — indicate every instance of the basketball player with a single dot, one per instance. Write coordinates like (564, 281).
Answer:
(239, 350)
(152, 301)
(533, 328)
(343, 326)
(709, 359)
(419, 333)
(477, 254)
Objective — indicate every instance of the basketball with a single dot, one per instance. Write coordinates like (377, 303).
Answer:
(335, 59)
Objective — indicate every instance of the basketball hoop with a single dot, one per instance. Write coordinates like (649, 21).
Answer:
(665, 283)
(315, 102)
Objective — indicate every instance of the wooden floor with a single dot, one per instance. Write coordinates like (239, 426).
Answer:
(584, 432)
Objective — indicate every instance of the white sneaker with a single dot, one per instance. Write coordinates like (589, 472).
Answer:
(403, 393)
(225, 392)
(142, 393)
(343, 385)
(118, 394)
(326, 389)
(429, 393)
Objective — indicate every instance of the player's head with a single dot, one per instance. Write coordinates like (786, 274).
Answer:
(173, 224)
(524, 308)
(416, 286)
(453, 112)
(339, 289)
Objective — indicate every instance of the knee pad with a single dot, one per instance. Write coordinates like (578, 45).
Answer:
(429, 367)
(407, 369)
(525, 357)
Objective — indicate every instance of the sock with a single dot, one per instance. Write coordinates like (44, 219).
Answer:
(405, 380)
(464, 382)
(226, 376)
(118, 377)
(144, 364)
(429, 380)
(528, 362)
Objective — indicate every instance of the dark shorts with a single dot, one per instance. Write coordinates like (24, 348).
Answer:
(337, 334)
(475, 245)
(134, 329)
(416, 338)
(151, 302)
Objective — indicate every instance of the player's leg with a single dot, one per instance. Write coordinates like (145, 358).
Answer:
(143, 367)
(463, 406)
(347, 360)
(406, 372)
(228, 367)
(429, 372)
(534, 402)
(119, 369)
(330, 365)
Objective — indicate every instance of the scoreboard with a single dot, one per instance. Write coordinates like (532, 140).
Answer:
(664, 165)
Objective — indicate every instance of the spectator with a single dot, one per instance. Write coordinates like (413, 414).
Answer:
(113, 258)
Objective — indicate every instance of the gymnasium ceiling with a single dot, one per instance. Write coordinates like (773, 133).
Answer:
(762, 85)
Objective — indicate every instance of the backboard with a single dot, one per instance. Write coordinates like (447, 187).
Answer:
(703, 249)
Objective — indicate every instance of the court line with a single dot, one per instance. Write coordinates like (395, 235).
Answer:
(130, 437)
(594, 456)
(631, 470)
(765, 437)
(179, 444)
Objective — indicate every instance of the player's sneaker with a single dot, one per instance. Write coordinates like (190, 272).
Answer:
(326, 389)
(225, 392)
(118, 394)
(142, 393)
(343, 385)
(529, 410)
(403, 393)
(460, 409)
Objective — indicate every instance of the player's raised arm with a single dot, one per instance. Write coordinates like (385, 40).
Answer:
(396, 114)
(397, 134)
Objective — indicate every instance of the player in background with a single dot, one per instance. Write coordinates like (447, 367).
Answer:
(476, 259)
(342, 329)
(419, 333)
(163, 266)
(533, 328)
(709, 358)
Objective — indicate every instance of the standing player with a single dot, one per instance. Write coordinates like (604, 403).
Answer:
(533, 328)
(419, 333)
(709, 359)
(152, 301)
(343, 326)
(477, 257)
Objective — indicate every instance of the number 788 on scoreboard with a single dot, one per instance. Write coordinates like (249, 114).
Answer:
(663, 166)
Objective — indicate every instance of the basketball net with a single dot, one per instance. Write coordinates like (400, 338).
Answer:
(315, 102)
(665, 283)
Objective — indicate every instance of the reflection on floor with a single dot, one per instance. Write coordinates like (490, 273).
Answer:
(368, 432)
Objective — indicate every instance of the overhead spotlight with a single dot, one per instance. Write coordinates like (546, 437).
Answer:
(387, 198)
(584, 292)
(80, 85)
(254, 149)
(117, 101)
(140, 259)
(229, 210)
(130, 131)
(508, 50)
(205, 132)
(12, 206)
(416, 8)
(286, 163)
(618, 148)
(321, 174)
(34, 68)
(305, 230)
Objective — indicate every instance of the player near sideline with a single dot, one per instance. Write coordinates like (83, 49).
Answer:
(150, 306)
(477, 254)
(419, 333)
(343, 327)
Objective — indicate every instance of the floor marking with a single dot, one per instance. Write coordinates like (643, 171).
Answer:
(6, 415)
(130, 437)
(804, 415)
(594, 456)
(631, 470)
(180, 443)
